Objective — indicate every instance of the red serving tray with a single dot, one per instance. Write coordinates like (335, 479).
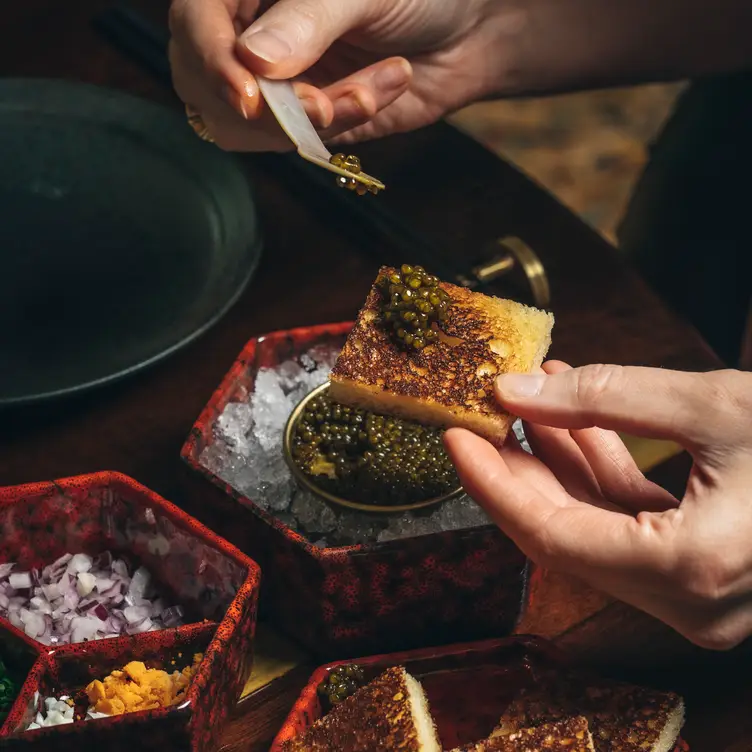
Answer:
(216, 583)
(468, 685)
(345, 601)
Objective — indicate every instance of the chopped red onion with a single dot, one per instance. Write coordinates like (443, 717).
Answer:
(85, 628)
(140, 628)
(34, 623)
(79, 598)
(103, 560)
(51, 592)
(53, 571)
(6, 569)
(139, 584)
(41, 605)
(114, 591)
(85, 583)
(173, 616)
(80, 563)
(70, 600)
(136, 614)
(20, 581)
(120, 568)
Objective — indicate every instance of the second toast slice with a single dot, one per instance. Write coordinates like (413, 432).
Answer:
(570, 735)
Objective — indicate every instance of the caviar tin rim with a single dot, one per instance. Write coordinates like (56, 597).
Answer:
(306, 481)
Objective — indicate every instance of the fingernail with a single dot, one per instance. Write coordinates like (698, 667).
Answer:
(315, 111)
(391, 76)
(520, 385)
(268, 45)
(347, 107)
(235, 101)
(250, 88)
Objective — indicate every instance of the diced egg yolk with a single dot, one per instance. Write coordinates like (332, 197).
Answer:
(137, 687)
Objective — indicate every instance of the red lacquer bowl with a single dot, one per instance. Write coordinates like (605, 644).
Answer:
(468, 686)
(428, 590)
(215, 583)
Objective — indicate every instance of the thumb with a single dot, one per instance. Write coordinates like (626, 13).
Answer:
(649, 402)
(293, 34)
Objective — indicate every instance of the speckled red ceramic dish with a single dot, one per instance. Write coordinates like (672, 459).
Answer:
(468, 686)
(428, 590)
(215, 583)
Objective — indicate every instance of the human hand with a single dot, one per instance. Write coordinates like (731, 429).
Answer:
(581, 505)
(362, 68)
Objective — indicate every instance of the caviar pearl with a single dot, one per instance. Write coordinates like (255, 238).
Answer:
(370, 458)
(413, 305)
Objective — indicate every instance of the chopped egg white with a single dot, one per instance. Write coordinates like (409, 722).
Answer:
(58, 712)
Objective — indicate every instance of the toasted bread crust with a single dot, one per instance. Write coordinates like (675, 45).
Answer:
(450, 382)
(378, 716)
(622, 717)
(570, 735)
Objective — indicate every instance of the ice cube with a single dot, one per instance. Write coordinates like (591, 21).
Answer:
(460, 513)
(277, 495)
(312, 513)
(356, 527)
(307, 362)
(234, 425)
(324, 356)
(270, 409)
(289, 374)
(287, 519)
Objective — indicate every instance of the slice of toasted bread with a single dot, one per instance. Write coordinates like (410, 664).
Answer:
(622, 717)
(571, 735)
(449, 382)
(390, 713)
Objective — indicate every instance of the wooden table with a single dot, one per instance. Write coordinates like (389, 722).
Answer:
(604, 314)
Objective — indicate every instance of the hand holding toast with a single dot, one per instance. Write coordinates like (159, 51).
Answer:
(582, 506)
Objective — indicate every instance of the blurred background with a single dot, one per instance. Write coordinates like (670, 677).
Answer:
(587, 149)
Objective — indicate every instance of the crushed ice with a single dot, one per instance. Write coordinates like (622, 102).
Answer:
(247, 454)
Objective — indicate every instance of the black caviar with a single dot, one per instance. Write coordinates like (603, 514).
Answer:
(339, 684)
(370, 458)
(413, 305)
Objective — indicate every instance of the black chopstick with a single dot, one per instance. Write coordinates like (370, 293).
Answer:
(138, 39)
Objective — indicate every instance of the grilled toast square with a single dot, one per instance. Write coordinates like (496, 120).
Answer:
(449, 382)
(622, 717)
(571, 735)
(390, 714)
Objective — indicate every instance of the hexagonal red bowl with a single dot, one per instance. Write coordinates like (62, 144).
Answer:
(429, 590)
(468, 685)
(215, 583)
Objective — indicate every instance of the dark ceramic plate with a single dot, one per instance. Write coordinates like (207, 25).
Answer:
(122, 236)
